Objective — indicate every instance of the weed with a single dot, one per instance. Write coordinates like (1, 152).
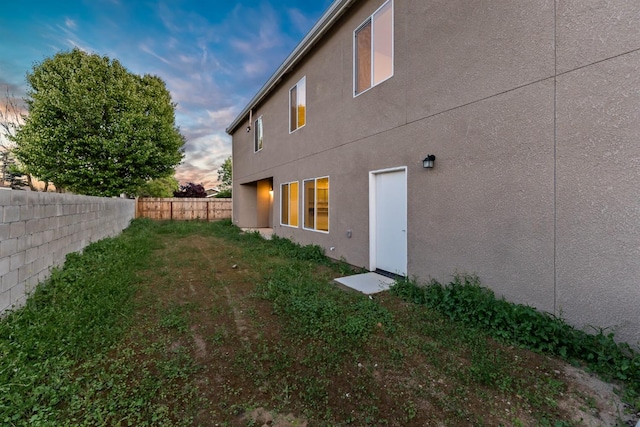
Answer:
(410, 410)
(464, 300)
(174, 318)
(288, 249)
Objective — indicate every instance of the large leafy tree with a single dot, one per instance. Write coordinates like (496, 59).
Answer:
(95, 128)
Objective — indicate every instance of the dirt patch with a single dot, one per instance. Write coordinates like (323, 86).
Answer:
(200, 344)
(264, 418)
(593, 402)
(240, 321)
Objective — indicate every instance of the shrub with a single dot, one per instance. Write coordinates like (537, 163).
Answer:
(191, 190)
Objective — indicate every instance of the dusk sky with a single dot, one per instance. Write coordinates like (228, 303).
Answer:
(213, 55)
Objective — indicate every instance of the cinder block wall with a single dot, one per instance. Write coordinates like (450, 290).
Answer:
(37, 231)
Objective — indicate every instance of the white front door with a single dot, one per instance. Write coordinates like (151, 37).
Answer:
(388, 220)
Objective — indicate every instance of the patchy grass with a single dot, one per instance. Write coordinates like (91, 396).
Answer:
(465, 301)
(181, 324)
(82, 308)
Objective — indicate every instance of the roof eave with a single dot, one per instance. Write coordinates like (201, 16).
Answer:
(323, 25)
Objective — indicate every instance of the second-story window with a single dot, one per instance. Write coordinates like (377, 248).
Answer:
(373, 49)
(298, 105)
(258, 135)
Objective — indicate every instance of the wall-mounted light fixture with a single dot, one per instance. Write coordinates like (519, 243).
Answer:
(428, 161)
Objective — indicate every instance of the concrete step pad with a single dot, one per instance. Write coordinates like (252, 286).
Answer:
(367, 283)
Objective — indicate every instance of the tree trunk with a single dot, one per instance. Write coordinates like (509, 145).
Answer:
(30, 182)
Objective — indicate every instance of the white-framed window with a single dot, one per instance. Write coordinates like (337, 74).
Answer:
(316, 204)
(373, 50)
(258, 135)
(298, 105)
(289, 196)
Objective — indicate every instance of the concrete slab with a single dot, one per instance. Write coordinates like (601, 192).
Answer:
(367, 283)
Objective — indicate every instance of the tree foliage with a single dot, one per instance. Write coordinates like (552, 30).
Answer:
(160, 187)
(191, 190)
(95, 128)
(223, 194)
(225, 175)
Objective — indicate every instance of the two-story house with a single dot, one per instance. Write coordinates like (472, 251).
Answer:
(532, 111)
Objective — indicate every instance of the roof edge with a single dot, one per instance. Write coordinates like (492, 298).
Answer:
(326, 21)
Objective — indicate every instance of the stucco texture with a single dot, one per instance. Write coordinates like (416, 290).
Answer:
(533, 112)
(598, 197)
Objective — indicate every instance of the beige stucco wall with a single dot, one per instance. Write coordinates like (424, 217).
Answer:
(533, 112)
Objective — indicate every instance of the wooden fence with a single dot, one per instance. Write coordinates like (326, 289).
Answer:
(183, 208)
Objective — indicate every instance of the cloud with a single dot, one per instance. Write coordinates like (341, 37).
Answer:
(300, 21)
(255, 68)
(181, 22)
(79, 45)
(64, 35)
(203, 159)
(268, 36)
(10, 74)
(11, 90)
(146, 49)
(12, 110)
(225, 115)
(12, 105)
(70, 23)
